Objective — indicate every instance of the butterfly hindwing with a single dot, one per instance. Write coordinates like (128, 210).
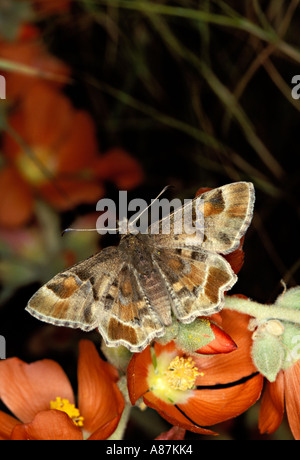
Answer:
(196, 280)
(127, 317)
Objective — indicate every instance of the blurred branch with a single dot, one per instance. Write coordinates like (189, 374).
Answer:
(12, 66)
(167, 120)
(201, 136)
(226, 97)
(235, 21)
(262, 59)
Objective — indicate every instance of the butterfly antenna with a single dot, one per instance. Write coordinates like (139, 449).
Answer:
(67, 230)
(153, 201)
(115, 229)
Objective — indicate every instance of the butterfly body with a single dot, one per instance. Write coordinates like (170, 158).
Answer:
(131, 292)
(137, 250)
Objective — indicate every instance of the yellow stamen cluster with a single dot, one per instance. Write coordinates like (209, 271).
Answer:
(33, 167)
(64, 405)
(181, 373)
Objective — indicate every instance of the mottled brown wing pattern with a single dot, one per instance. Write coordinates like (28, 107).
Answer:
(127, 317)
(196, 280)
(227, 213)
(71, 298)
(101, 292)
(129, 292)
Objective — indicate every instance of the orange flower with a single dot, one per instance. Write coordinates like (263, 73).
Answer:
(29, 51)
(41, 397)
(275, 353)
(222, 343)
(283, 392)
(55, 155)
(194, 391)
(175, 433)
(52, 6)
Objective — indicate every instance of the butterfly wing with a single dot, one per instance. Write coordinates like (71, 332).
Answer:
(228, 211)
(214, 221)
(128, 318)
(101, 292)
(196, 280)
(190, 262)
(71, 298)
(106, 292)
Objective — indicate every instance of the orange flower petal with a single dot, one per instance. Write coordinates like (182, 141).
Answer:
(52, 6)
(211, 406)
(292, 398)
(48, 117)
(230, 367)
(222, 343)
(48, 426)
(236, 258)
(80, 150)
(272, 405)
(7, 424)
(105, 430)
(174, 434)
(28, 32)
(30, 52)
(169, 348)
(202, 190)
(27, 389)
(64, 194)
(16, 204)
(137, 372)
(99, 399)
(117, 166)
(173, 415)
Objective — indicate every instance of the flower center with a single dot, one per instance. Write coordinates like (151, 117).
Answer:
(182, 373)
(37, 166)
(64, 405)
(171, 378)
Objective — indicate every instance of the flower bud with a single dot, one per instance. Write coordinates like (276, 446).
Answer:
(195, 335)
(267, 355)
(203, 337)
(290, 298)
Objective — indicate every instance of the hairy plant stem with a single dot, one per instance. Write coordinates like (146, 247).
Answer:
(261, 311)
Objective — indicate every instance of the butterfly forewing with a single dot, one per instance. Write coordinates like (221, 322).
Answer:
(72, 298)
(219, 218)
(228, 212)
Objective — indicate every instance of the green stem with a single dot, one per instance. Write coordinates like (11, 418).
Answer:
(120, 430)
(261, 311)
